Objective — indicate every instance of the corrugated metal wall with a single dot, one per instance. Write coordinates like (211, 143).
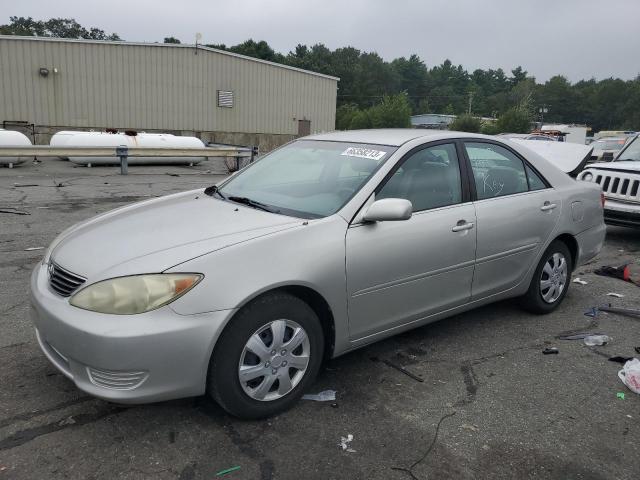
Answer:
(150, 86)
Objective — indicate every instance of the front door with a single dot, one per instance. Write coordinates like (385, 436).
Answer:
(404, 271)
(516, 212)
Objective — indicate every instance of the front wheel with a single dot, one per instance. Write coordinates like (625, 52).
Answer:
(266, 357)
(550, 281)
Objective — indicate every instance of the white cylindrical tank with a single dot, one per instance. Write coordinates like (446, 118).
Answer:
(9, 138)
(151, 140)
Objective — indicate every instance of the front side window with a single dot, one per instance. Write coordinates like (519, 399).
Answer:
(496, 170)
(429, 178)
(307, 178)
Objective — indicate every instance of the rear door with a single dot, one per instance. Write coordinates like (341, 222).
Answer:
(516, 212)
(403, 271)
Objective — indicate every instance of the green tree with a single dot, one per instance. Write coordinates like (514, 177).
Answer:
(345, 114)
(466, 123)
(514, 120)
(171, 40)
(54, 27)
(393, 112)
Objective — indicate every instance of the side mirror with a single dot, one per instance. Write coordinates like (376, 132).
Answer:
(388, 209)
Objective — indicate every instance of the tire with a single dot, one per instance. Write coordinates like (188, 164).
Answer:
(541, 300)
(248, 344)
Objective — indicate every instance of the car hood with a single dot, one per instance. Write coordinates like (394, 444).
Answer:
(154, 235)
(625, 166)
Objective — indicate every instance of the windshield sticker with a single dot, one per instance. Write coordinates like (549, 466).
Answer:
(364, 153)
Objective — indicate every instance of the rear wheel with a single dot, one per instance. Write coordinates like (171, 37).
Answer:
(550, 281)
(266, 357)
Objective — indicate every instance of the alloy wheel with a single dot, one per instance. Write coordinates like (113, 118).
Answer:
(274, 360)
(553, 278)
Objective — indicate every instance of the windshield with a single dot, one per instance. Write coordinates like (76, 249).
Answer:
(632, 152)
(307, 178)
(609, 144)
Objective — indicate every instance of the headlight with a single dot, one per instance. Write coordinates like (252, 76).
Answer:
(587, 176)
(135, 294)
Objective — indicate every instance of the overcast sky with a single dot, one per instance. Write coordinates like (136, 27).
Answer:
(575, 38)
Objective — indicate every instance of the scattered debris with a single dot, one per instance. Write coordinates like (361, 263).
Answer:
(550, 351)
(13, 211)
(334, 405)
(400, 368)
(172, 174)
(630, 375)
(622, 272)
(433, 443)
(577, 336)
(466, 426)
(619, 359)
(613, 294)
(624, 311)
(577, 280)
(344, 443)
(324, 396)
(26, 185)
(637, 349)
(67, 421)
(596, 340)
(227, 470)
(31, 249)
(592, 312)
(620, 395)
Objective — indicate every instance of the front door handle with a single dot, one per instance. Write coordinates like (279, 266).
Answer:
(462, 225)
(548, 206)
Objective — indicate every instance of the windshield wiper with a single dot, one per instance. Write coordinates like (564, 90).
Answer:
(213, 190)
(254, 204)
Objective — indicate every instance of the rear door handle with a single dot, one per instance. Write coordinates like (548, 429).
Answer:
(548, 206)
(462, 225)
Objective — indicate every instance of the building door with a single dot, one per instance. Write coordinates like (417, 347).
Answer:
(304, 128)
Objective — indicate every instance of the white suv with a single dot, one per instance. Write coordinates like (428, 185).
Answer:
(620, 182)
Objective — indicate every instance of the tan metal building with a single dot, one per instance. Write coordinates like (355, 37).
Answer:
(48, 84)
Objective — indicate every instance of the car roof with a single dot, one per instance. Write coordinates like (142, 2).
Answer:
(388, 136)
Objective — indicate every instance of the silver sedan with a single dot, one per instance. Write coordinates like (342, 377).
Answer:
(325, 245)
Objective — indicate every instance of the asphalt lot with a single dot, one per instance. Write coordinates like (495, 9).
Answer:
(517, 413)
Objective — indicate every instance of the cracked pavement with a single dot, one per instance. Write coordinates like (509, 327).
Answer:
(518, 413)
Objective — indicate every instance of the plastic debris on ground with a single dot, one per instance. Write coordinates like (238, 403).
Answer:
(596, 340)
(227, 470)
(620, 395)
(592, 312)
(550, 351)
(31, 249)
(614, 294)
(622, 272)
(577, 336)
(344, 443)
(324, 396)
(619, 359)
(630, 375)
(578, 280)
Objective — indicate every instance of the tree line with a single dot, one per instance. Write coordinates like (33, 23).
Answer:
(375, 92)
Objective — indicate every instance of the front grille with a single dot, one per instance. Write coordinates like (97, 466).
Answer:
(62, 281)
(116, 380)
(621, 186)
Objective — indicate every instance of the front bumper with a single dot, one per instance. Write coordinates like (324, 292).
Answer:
(621, 213)
(154, 356)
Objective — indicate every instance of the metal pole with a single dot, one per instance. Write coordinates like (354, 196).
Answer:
(123, 153)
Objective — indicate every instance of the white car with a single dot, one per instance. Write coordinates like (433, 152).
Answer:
(620, 182)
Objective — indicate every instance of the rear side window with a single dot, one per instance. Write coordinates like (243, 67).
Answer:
(535, 182)
(497, 171)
